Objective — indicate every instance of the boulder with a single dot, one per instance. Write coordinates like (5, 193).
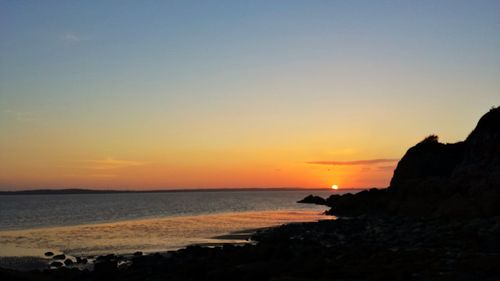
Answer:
(311, 199)
(56, 264)
(106, 257)
(59, 257)
(81, 260)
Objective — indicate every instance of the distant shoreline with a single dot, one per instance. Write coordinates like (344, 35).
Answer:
(107, 191)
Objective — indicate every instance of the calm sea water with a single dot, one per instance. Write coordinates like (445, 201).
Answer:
(31, 211)
(83, 224)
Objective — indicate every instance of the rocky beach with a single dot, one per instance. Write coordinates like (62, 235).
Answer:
(438, 220)
(362, 248)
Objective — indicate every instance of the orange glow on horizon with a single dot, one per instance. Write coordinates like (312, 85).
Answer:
(170, 167)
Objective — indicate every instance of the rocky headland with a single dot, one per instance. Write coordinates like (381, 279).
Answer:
(435, 179)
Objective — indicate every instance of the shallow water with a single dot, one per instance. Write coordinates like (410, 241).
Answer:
(32, 211)
(82, 225)
(148, 235)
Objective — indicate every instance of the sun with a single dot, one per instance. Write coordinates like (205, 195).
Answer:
(335, 187)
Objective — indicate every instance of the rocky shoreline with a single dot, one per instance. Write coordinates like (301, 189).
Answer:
(435, 179)
(57, 259)
(361, 248)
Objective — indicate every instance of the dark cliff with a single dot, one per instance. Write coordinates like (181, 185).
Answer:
(429, 159)
(437, 179)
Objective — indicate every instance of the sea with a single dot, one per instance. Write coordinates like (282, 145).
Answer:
(121, 223)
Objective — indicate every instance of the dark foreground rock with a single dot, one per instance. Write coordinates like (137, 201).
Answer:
(56, 264)
(369, 248)
(59, 257)
(23, 263)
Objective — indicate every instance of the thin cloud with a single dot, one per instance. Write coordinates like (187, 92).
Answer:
(111, 164)
(354, 162)
(91, 175)
(71, 37)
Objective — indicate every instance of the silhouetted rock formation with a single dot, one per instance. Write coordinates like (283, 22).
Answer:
(311, 199)
(432, 178)
(370, 201)
(428, 160)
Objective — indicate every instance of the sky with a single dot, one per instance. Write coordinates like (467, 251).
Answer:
(216, 94)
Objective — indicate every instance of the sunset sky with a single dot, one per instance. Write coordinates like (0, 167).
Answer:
(214, 94)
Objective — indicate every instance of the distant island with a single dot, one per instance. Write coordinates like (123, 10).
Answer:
(103, 191)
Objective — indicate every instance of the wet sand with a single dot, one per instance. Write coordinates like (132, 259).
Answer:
(25, 248)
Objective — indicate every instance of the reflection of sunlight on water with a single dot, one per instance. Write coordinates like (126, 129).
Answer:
(145, 235)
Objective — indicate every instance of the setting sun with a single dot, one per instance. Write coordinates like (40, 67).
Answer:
(335, 187)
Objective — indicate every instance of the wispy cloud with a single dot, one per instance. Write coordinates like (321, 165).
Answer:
(71, 37)
(354, 162)
(111, 164)
(82, 175)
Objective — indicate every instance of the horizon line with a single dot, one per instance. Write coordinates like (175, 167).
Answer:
(93, 190)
